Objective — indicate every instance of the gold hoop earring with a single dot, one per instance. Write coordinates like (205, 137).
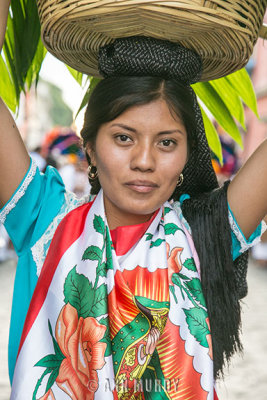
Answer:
(180, 180)
(92, 175)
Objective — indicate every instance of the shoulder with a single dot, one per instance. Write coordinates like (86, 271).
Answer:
(71, 203)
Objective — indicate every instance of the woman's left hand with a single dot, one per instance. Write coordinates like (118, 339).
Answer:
(247, 193)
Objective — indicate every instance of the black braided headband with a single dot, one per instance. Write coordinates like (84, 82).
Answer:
(141, 56)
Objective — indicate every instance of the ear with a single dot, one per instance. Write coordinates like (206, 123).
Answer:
(91, 153)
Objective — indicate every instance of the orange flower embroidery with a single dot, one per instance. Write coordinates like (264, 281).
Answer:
(48, 396)
(79, 341)
(174, 260)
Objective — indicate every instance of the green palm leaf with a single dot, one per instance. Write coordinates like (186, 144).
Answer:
(231, 98)
(242, 84)
(212, 136)
(209, 96)
(7, 88)
(78, 76)
(23, 51)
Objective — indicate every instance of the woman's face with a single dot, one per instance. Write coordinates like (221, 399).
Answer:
(139, 157)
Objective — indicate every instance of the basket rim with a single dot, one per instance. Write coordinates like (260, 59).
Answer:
(71, 27)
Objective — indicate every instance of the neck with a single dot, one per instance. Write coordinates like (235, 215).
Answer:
(117, 217)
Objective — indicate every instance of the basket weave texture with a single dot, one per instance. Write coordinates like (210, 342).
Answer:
(222, 32)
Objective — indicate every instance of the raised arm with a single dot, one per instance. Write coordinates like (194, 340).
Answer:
(14, 158)
(4, 6)
(247, 193)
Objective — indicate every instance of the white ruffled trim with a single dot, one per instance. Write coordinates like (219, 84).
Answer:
(263, 227)
(19, 193)
(40, 248)
(244, 244)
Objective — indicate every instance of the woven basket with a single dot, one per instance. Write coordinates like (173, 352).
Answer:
(223, 32)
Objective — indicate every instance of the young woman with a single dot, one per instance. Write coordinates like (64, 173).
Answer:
(133, 293)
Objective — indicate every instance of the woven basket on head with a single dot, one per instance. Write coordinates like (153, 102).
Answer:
(223, 32)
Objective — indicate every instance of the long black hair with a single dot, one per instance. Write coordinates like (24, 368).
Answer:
(223, 281)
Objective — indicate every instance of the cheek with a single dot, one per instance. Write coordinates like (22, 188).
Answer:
(173, 165)
(109, 164)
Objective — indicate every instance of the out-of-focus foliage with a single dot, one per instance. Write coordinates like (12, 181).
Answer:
(225, 98)
(23, 52)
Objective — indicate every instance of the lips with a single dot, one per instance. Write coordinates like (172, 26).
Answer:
(141, 186)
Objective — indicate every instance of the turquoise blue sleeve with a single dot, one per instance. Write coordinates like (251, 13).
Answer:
(32, 207)
(239, 242)
(26, 216)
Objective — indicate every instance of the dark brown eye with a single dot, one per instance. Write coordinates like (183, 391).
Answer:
(123, 138)
(167, 142)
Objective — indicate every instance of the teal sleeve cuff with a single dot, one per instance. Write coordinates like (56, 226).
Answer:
(33, 206)
(239, 242)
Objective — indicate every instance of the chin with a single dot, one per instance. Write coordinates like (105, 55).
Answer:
(141, 209)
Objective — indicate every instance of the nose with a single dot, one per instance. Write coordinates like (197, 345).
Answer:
(143, 157)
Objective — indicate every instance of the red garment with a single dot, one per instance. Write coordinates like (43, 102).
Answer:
(125, 237)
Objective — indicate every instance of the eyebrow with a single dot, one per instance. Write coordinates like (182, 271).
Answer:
(125, 127)
(167, 132)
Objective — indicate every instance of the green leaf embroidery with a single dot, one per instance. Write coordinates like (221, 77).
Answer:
(100, 301)
(167, 210)
(52, 379)
(173, 293)
(51, 361)
(176, 280)
(55, 344)
(106, 337)
(109, 245)
(189, 263)
(184, 277)
(157, 243)
(99, 224)
(196, 289)
(196, 320)
(101, 269)
(149, 236)
(79, 293)
(92, 253)
(38, 384)
(171, 228)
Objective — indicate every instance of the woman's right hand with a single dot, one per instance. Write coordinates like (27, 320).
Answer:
(4, 7)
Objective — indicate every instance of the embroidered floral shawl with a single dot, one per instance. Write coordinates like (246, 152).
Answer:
(102, 326)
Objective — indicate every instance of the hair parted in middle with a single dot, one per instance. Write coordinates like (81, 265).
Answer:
(112, 96)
